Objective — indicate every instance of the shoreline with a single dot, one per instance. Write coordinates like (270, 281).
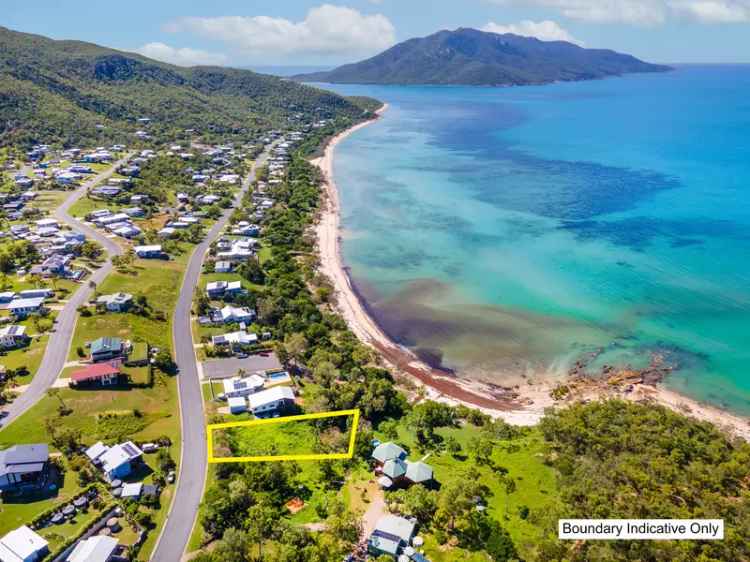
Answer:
(522, 404)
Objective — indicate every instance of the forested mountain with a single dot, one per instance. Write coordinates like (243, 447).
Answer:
(472, 57)
(61, 90)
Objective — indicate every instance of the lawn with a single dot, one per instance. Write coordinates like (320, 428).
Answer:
(49, 200)
(140, 414)
(29, 357)
(13, 515)
(283, 438)
(535, 485)
(158, 281)
(86, 205)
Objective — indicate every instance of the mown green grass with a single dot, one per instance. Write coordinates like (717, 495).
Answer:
(13, 515)
(86, 205)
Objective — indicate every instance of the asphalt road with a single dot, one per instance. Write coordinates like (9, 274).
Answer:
(191, 480)
(58, 345)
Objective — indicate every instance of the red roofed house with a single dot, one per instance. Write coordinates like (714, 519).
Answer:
(102, 374)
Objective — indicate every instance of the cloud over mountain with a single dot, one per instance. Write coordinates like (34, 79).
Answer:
(326, 30)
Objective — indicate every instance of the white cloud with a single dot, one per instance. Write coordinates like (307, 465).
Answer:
(644, 12)
(326, 30)
(181, 56)
(714, 11)
(546, 30)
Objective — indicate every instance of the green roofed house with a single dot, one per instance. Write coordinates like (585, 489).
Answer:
(107, 348)
(388, 451)
(418, 472)
(394, 468)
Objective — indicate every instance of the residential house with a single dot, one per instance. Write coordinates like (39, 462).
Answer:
(106, 348)
(242, 386)
(134, 212)
(24, 466)
(23, 545)
(116, 302)
(391, 535)
(13, 336)
(223, 267)
(231, 314)
(35, 293)
(21, 308)
(275, 399)
(98, 374)
(150, 252)
(418, 472)
(234, 340)
(223, 289)
(47, 223)
(117, 461)
(111, 219)
(98, 548)
(388, 451)
(237, 405)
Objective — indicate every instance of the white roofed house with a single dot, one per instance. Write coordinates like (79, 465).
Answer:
(98, 548)
(234, 340)
(116, 302)
(391, 535)
(231, 314)
(13, 336)
(21, 308)
(242, 386)
(270, 401)
(23, 545)
(116, 461)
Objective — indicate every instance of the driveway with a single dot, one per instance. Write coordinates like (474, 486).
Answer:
(58, 346)
(228, 367)
(193, 459)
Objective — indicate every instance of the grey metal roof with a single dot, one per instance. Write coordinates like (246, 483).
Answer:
(23, 458)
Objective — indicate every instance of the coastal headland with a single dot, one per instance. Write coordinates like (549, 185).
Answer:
(522, 403)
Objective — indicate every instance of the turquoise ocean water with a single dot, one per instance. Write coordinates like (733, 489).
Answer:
(501, 231)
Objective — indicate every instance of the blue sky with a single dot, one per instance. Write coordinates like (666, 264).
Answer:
(297, 32)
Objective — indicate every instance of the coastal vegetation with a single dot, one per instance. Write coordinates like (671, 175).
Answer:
(501, 488)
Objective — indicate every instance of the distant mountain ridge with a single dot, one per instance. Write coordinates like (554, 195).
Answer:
(473, 57)
(63, 90)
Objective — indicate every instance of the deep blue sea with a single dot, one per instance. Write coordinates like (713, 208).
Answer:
(501, 232)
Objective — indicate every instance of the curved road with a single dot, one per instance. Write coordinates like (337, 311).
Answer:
(58, 345)
(178, 527)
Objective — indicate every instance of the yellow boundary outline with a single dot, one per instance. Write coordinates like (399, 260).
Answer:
(312, 457)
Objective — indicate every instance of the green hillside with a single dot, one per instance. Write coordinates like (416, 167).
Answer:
(59, 91)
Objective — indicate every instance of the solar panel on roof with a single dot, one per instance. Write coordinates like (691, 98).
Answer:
(129, 449)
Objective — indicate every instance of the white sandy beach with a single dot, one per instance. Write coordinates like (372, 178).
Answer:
(529, 401)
